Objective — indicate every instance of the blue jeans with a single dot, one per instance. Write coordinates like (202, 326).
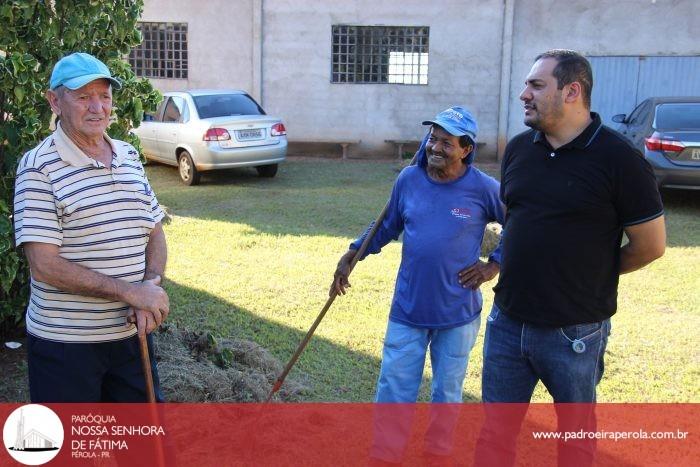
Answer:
(569, 362)
(400, 376)
(403, 360)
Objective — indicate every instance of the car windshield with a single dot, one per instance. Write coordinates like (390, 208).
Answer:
(680, 116)
(222, 105)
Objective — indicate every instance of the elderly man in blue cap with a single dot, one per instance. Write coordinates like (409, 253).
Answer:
(441, 205)
(90, 227)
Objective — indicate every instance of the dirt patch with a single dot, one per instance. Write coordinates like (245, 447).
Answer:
(14, 386)
(193, 367)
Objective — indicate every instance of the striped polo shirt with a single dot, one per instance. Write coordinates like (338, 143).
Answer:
(100, 217)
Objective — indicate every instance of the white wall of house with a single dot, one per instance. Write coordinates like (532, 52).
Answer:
(221, 47)
(464, 66)
(480, 52)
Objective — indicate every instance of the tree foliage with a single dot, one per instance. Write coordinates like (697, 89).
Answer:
(34, 35)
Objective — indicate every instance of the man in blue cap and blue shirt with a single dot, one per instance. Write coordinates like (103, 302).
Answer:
(441, 205)
(90, 227)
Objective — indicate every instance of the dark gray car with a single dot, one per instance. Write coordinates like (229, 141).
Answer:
(667, 131)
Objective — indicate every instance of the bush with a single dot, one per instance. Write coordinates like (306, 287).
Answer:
(33, 37)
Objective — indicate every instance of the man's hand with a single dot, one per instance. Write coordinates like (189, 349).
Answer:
(149, 296)
(145, 322)
(478, 273)
(150, 306)
(342, 271)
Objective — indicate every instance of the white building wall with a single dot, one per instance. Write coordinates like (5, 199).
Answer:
(598, 27)
(280, 52)
(221, 47)
(464, 68)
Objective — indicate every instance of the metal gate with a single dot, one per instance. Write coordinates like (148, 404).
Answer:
(620, 83)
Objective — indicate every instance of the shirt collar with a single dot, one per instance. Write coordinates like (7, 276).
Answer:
(583, 140)
(73, 155)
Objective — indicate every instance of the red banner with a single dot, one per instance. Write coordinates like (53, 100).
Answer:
(350, 434)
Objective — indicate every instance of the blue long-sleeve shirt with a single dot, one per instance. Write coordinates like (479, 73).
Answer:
(443, 227)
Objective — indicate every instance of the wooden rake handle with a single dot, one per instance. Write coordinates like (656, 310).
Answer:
(146, 365)
(302, 345)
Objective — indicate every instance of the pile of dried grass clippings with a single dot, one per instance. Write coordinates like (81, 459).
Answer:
(199, 367)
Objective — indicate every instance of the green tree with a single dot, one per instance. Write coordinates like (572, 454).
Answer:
(34, 35)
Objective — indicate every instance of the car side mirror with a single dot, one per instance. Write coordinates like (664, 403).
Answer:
(620, 118)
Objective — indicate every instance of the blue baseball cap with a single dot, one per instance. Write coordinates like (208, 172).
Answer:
(457, 121)
(78, 69)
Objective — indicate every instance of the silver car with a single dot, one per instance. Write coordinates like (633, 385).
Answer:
(201, 130)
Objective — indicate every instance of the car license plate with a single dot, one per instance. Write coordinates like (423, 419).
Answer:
(246, 135)
(695, 155)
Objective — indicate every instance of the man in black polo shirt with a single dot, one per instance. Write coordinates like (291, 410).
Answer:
(571, 186)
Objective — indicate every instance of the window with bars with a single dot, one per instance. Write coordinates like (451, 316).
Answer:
(380, 54)
(162, 52)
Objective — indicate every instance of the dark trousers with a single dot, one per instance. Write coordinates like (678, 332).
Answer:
(83, 372)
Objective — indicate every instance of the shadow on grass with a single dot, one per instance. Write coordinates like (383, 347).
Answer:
(330, 197)
(306, 198)
(682, 209)
(331, 371)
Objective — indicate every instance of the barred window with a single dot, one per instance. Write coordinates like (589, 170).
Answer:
(162, 52)
(380, 54)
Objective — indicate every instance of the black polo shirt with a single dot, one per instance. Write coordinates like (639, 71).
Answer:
(566, 210)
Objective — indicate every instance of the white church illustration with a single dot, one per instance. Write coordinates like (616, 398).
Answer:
(33, 440)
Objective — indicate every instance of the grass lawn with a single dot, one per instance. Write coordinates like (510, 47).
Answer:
(253, 258)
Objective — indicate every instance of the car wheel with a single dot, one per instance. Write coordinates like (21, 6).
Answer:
(188, 172)
(267, 171)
